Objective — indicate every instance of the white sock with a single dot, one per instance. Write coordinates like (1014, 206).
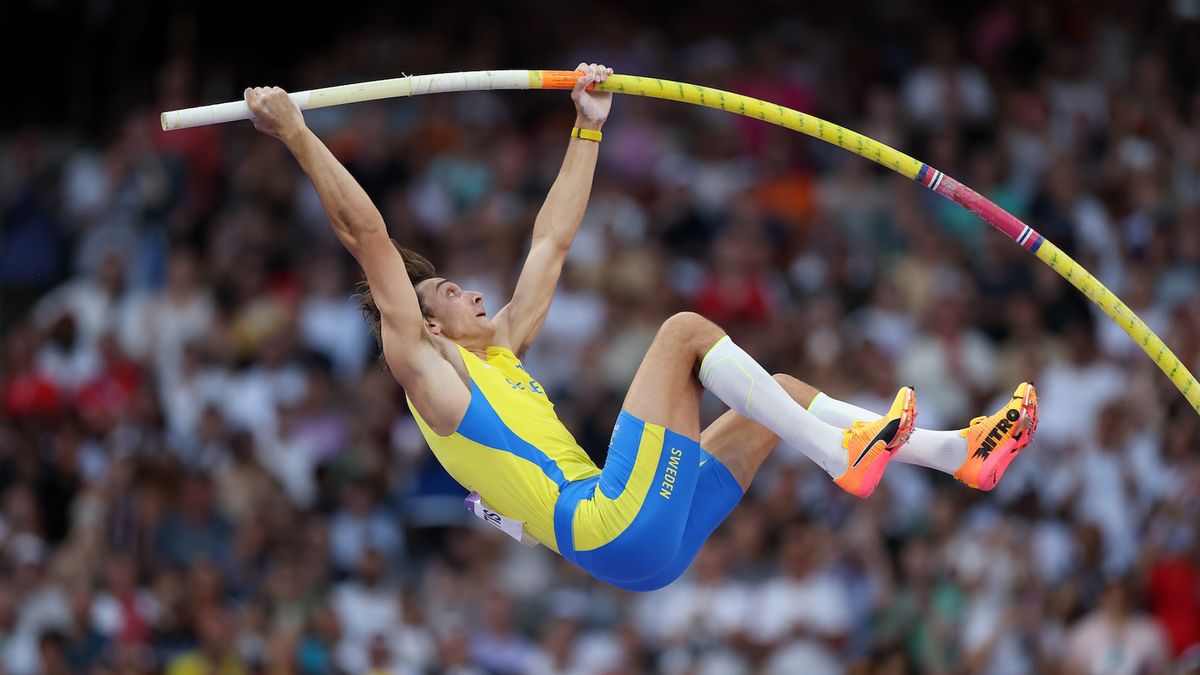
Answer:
(735, 377)
(941, 450)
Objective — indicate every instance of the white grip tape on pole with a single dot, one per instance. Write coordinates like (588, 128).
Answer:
(476, 80)
(219, 113)
(473, 80)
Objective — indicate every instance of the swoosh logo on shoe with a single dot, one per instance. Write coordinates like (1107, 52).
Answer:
(886, 434)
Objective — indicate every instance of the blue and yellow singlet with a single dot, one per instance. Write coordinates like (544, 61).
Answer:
(633, 524)
(511, 447)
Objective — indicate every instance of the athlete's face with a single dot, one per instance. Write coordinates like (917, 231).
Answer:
(456, 314)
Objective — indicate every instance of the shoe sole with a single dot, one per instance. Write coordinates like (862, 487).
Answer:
(994, 467)
(908, 422)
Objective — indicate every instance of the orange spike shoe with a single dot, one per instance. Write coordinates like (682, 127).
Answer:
(994, 442)
(871, 445)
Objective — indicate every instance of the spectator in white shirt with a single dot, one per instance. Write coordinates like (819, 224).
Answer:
(1114, 639)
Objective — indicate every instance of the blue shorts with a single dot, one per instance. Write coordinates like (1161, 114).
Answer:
(639, 524)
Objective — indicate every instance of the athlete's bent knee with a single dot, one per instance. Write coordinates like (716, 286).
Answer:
(683, 323)
(690, 329)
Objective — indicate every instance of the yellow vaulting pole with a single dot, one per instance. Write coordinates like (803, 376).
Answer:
(795, 120)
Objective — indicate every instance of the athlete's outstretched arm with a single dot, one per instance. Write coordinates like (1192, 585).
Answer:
(421, 368)
(558, 221)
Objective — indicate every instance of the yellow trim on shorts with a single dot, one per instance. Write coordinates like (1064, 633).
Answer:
(599, 520)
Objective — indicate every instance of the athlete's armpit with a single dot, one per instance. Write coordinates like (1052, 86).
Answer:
(436, 386)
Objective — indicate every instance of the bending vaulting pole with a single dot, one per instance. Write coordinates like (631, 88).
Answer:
(873, 150)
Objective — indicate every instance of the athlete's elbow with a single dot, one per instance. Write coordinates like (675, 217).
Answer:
(352, 239)
(554, 242)
(356, 226)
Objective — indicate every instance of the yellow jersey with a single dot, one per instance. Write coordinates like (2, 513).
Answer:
(511, 447)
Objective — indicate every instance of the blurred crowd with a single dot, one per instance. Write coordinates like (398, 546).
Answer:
(203, 468)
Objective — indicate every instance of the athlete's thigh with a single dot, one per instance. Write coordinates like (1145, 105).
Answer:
(665, 390)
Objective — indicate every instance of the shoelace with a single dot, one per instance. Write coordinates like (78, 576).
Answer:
(848, 433)
(855, 426)
(965, 432)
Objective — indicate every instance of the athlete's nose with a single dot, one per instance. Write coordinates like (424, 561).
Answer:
(476, 300)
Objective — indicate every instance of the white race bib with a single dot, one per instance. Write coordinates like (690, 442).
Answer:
(509, 526)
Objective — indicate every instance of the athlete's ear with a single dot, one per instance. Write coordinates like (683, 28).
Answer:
(433, 327)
